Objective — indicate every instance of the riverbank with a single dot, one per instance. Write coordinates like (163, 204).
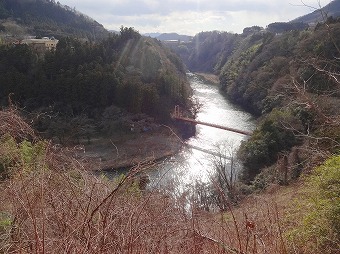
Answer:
(124, 150)
(211, 78)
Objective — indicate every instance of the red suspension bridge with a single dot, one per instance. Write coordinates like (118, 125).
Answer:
(178, 116)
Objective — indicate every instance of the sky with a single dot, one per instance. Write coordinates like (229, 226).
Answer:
(191, 16)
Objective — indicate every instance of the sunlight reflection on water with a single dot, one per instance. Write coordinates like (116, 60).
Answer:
(191, 165)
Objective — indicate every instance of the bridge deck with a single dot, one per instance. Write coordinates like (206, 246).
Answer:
(211, 125)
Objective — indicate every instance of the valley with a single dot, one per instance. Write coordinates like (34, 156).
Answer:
(93, 161)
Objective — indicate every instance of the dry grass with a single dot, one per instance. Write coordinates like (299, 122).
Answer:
(73, 212)
(53, 205)
(254, 226)
(77, 213)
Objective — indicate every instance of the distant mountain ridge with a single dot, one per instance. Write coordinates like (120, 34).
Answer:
(169, 37)
(152, 35)
(174, 36)
(331, 9)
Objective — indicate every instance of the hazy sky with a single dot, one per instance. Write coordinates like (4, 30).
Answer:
(191, 16)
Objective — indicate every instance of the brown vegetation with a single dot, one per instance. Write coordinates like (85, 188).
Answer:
(50, 204)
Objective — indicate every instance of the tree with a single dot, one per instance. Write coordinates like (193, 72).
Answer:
(127, 33)
(226, 168)
(270, 139)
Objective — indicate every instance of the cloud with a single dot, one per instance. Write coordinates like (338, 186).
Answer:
(191, 16)
(166, 7)
(191, 22)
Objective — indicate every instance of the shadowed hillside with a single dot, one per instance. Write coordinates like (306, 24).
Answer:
(47, 18)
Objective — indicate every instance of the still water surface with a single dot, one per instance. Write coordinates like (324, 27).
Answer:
(191, 165)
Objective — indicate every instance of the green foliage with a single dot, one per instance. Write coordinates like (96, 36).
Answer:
(320, 225)
(6, 223)
(32, 155)
(132, 189)
(266, 177)
(127, 33)
(236, 75)
(295, 70)
(280, 27)
(208, 51)
(3, 12)
(236, 65)
(8, 155)
(270, 138)
(259, 64)
(24, 157)
(78, 79)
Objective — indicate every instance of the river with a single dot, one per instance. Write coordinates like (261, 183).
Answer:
(191, 165)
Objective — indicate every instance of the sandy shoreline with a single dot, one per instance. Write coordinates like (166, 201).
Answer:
(131, 149)
(212, 78)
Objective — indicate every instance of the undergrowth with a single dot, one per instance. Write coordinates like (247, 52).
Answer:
(49, 203)
(319, 229)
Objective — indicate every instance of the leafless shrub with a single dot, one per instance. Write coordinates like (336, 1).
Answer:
(252, 229)
(53, 205)
(75, 212)
(13, 124)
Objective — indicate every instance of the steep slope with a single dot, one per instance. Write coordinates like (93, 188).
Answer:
(292, 83)
(207, 51)
(47, 18)
(320, 15)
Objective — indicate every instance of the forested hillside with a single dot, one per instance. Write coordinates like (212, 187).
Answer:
(292, 82)
(47, 18)
(128, 71)
(208, 51)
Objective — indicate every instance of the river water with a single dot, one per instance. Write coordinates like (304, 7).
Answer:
(191, 165)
